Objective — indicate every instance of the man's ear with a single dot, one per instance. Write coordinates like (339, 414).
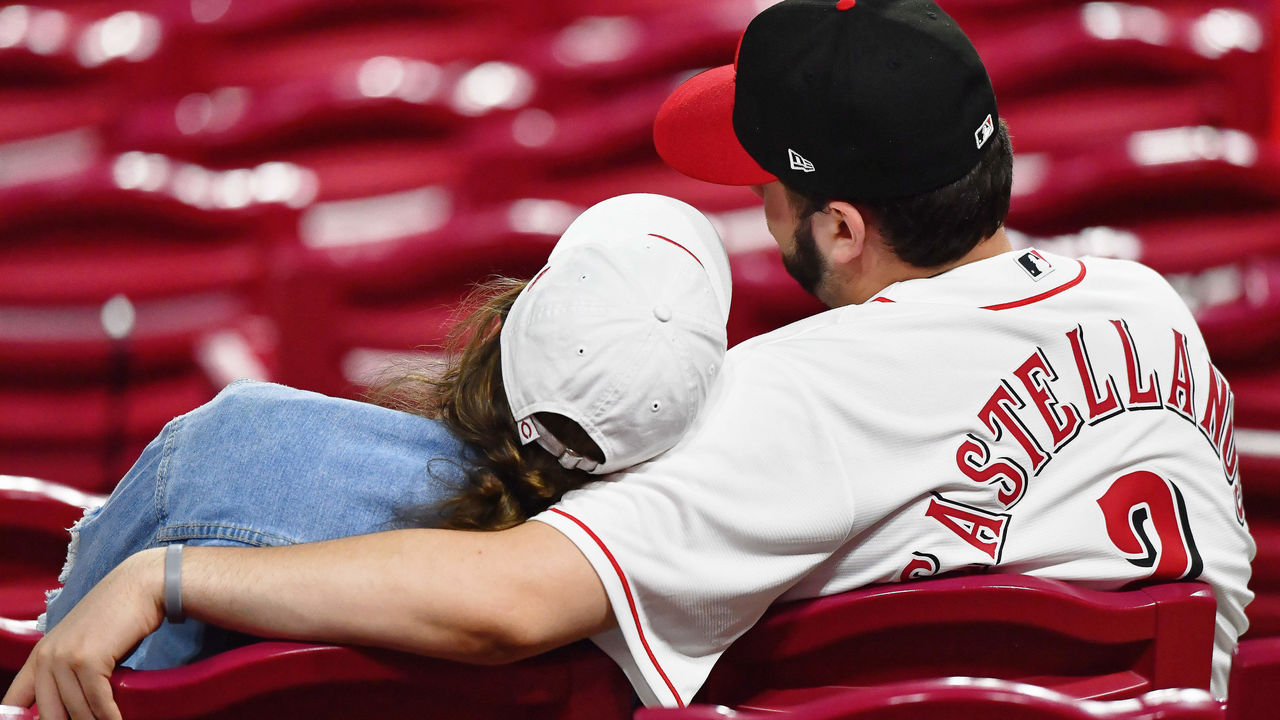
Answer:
(842, 230)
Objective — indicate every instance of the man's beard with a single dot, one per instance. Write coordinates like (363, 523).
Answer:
(805, 264)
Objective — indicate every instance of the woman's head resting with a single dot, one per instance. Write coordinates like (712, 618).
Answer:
(622, 332)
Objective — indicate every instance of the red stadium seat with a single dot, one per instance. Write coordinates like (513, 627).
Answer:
(42, 340)
(539, 146)
(600, 48)
(1257, 390)
(1254, 687)
(278, 16)
(1260, 475)
(32, 112)
(17, 638)
(1102, 113)
(123, 274)
(381, 258)
(371, 96)
(72, 199)
(566, 10)
(68, 266)
(87, 433)
(1126, 43)
(389, 165)
(964, 698)
(594, 184)
(1224, 264)
(1191, 244)
(249, 98)
(89, 411)
(84, 464)
(53, 42)
(1084, 643)
(1121, 67)
(34, 517)
(314, 49)
(1145, 176)
(1242, 325)
(271, 680)
(358, 316)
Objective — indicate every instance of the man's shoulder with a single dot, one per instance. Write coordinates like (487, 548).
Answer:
(1134, 285)
(780, 337)
(1120, 268)
(1124, 281)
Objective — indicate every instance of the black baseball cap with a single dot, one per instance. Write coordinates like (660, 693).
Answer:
(851, 99)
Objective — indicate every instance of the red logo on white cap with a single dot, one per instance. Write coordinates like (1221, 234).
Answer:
(528, 431)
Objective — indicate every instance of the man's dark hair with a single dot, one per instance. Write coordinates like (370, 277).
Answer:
(939, 226)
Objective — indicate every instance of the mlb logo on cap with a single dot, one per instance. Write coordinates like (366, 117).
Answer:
(889, 99)
(985, 131)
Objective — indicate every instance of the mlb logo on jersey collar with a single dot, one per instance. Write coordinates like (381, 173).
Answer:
(1034, 265)
(987, 284)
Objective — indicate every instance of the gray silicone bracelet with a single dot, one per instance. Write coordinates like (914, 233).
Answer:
(173, 584)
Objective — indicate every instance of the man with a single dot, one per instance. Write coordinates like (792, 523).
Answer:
(963, 406)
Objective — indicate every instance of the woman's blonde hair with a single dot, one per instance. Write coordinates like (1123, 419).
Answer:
(506, 482)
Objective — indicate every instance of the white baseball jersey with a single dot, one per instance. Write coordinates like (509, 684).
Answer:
(1029, 413)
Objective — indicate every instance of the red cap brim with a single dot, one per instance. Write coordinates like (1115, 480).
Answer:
(694, 132)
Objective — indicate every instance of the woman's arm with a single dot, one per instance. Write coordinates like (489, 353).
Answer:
(469, 596)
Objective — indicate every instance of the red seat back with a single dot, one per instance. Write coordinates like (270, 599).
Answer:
(1254, 686)
(1085, 643)
(34, 517)
(17, 639)
(963, 698)
(271, 680)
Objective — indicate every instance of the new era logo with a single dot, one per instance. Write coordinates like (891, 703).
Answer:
(798, 162)
(984, 132)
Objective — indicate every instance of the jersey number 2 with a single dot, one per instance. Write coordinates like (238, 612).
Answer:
(1142, 504)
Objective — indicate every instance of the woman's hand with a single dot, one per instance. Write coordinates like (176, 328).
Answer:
(68, 673)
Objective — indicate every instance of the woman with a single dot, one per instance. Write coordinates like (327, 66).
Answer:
(600, 362)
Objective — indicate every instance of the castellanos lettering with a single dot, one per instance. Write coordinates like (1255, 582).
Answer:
(1025, 407)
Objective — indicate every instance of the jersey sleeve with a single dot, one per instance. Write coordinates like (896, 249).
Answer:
(693, 546)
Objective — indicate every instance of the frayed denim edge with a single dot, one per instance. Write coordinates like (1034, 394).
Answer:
(42, 622)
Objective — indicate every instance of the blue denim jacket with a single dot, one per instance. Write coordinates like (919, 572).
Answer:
(260, 464)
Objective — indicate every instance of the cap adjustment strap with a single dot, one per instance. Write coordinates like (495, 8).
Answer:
(569, 459)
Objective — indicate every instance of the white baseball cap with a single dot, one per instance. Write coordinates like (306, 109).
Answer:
(622, 331)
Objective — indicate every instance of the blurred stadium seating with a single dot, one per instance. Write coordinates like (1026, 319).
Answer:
(193, 191)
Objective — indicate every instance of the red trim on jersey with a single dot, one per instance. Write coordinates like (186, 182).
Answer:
(673, 242)
(1042, 296)
(626, 588)
(1025, 301)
